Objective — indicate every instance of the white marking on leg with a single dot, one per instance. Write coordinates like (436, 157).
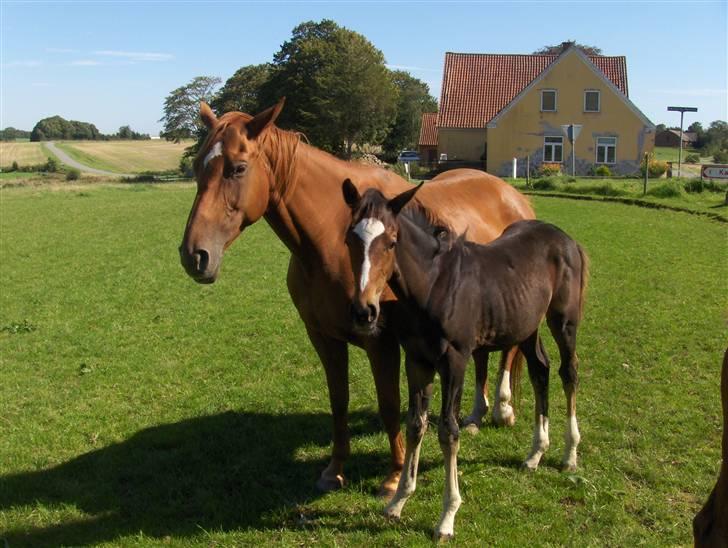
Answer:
(502, 410)
(367, 229)
(451, 497)
(571, 439)
(540, 442)
(407, 480)
(215, 151)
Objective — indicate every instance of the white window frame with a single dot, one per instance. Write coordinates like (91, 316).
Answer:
(556, 99)
(606, 146)
(599, 100)
(552, 146)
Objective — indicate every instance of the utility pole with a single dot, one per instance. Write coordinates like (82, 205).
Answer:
(682, 111)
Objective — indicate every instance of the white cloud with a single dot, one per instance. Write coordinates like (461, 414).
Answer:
(136, 55)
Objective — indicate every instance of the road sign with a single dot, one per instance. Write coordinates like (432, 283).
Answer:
(571, 131)
(682, 109)
(715, 172)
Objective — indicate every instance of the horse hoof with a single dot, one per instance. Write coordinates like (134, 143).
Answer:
(506, 418)
(568, 467)
(471, 428)
(526, 467)
(389, 486)
(327, 483)
(390, 514)
(442, 537)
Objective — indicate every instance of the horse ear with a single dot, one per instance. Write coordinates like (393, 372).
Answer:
(351, 194)
(262, 120)
(396, 204)
(208, 117)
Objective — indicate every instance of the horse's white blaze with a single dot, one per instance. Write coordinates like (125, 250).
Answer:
(215, 151)
(572, 439)
(367, 229)
(540, 442)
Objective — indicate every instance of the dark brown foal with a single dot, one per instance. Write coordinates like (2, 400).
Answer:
(462, 297)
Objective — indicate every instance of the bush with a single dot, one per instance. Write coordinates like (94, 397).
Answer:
(720, 157)
(185, 167)
(545, 183)
(14, 167)
(549, 169)
(693, 185)
(73, 174)
(656, 168)
(692, 159)
(602, 171)
(671, 189)
(51, 165)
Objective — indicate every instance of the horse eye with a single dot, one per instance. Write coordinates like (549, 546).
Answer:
(240, 168)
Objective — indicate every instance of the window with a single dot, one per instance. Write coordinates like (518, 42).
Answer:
(548, 100)
(606, 150)
(553, 149)
(591, 101)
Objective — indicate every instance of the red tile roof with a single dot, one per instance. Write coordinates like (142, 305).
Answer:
(428, 130)
(477, 86)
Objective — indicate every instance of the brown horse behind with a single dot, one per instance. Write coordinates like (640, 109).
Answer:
(248, 169)
(710, 526)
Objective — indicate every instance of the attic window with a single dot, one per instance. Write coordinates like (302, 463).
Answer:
(591, 101)
(548, 100)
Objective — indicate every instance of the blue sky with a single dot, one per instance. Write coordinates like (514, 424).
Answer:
(113, 63)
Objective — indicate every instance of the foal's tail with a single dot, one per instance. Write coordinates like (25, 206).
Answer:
(516, 375)
(584, 278)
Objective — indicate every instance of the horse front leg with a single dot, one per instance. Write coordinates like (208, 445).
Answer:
(335, 359)
(383, 353)
(474, 421)
(452, 377)
(419, 382)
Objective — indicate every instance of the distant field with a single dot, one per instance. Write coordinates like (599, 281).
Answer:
(25, 153)
(126, 156)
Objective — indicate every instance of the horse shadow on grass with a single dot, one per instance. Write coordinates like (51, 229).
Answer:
(222, 472)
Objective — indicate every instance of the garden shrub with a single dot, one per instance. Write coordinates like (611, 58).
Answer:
(671, 189)
(549, 169)
(693, 185)
(656, 168)
(545, 183)
(602, 171)
(720, 157)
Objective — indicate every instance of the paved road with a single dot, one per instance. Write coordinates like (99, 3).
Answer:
(66, 159)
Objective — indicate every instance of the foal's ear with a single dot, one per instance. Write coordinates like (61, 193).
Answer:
(264, 119)
(396, 204)
(208, 117)
(351, 194)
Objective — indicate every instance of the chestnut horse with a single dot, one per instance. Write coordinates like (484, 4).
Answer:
(460, 296)
(710, 526)
(247, 169)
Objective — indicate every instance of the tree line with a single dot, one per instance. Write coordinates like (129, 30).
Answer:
(339, 93)
(56, 127)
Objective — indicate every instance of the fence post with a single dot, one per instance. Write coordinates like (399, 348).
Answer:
(647, 171)
(528, 171)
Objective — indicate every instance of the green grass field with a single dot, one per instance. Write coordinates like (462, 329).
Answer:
(25, 153)
(141, 409)
(126, 156)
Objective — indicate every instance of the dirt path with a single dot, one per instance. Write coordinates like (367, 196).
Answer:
(66, 159)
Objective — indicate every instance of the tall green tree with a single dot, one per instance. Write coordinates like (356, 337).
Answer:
(241, 91)
(182, 107)
(339, 92)
(413, 98)
(563, 46)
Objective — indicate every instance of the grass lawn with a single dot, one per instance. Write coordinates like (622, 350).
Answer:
(141, 409)
(25, 153)
(126, 156)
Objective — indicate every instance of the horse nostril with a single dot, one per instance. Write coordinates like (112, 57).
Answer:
(372, 310)
(201, 259)
(359, 314)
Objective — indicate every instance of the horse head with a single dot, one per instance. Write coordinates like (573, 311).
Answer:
(371, 239)
(233, 187)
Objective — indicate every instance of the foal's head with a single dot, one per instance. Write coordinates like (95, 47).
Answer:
(371, 239)
(232, 187)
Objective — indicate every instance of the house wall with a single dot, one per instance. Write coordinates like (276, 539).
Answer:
(461, 144)
(520, 131)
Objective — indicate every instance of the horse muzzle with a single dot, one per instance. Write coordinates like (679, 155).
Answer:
(364, 317)
(200, 265)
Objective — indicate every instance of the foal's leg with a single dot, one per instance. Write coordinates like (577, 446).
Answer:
(419, 381)
(503, 410)
(563, 328)
(335, 359)
(473, 422)
(383, 352)
(452, 377)
(538, 372)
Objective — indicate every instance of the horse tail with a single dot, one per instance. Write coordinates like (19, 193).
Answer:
(584, 278)
(516, 374)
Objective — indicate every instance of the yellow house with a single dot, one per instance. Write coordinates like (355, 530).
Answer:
(494, 108)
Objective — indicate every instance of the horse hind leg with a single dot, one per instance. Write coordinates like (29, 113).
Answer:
(474, 421)
(503, 414)
(538, 372)
(563, 327)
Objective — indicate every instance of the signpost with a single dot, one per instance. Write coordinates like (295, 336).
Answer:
(571, 131)
(682, 111)
(709, 171)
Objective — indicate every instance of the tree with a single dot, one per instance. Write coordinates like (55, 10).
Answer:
(242, 90)
(563, 46)
(660, 127)
(339, 93)
(56, 127)
(413, 99)
(716, 138)
(182, 106)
